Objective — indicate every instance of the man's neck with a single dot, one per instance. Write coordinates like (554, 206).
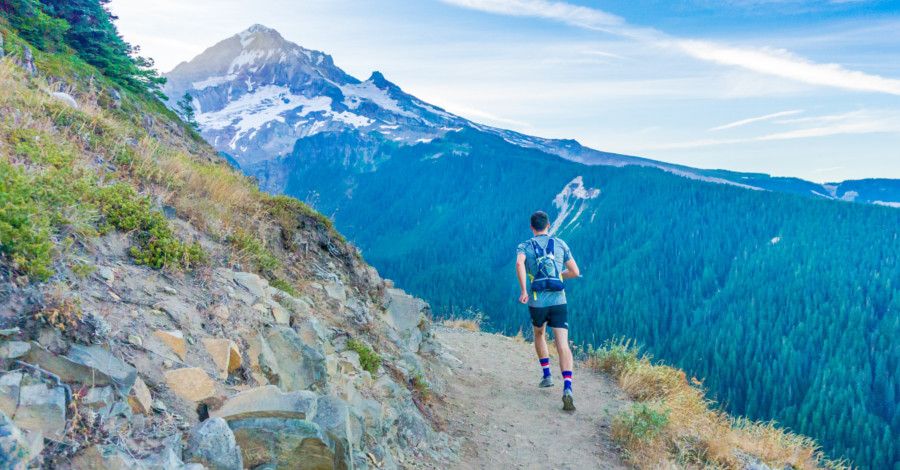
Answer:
(544, 233)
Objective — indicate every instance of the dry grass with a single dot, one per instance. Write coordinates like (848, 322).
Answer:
(674, 424)
(462, 324)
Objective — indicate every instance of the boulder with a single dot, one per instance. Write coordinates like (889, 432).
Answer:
(405, 314)
(65, 98)
(42, 408)
(191, 383)
(253, 283)
(28, 61)
(102, 360)
(334, 418)
(287, 361)
(283, 444)
(268, 402)
(140, 399)
(212, 444)
(224, 353)
(10, 384)
(174, 339)
(336, 291)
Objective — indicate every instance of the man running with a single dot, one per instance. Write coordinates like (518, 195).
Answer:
(542, 263)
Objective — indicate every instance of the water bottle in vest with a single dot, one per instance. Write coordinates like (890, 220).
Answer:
(547, 277)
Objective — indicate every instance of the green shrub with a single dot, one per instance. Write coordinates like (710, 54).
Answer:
(251, 248)
(286, 286)
(615, 356)
(40, 148)
(421, 387)
(640, 423)
(156, 245)
(24, 227)
(33, 24)
(368, 359)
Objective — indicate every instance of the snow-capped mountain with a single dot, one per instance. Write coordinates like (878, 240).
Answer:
(256, 95)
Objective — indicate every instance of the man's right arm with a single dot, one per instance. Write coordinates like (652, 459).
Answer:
(522, 275)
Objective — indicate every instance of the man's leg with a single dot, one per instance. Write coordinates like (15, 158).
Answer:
(543, 353)
(561, 338)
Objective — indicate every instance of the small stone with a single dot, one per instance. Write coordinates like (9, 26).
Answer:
(135, 340)
(168, 364)
(158, 406)
(224, 353)
(191, 383)
(65, 98)
(280, 315)
(114, 297)
(106, 273)
(169, 290)
(98, 397)
(174, 339)
(140, 399)
(221, 312)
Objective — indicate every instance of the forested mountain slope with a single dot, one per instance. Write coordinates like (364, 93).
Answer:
(785, 306)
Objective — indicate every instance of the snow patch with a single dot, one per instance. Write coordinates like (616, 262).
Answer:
(572, 201)
(887, 203)
(212, 81)
(775, 240)
(354, 95)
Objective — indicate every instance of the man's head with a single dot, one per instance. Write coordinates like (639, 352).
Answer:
(539, 222)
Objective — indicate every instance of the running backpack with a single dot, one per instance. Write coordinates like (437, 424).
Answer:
(547, 276)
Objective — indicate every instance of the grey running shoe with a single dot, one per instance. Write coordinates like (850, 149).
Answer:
(546, 382)
(568, 400)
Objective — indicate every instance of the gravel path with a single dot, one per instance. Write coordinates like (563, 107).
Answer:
(507, 422)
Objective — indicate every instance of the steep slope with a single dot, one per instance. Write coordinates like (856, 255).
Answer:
(158, 311)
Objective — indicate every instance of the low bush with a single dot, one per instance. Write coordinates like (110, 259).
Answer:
(25, 229)
(368, 358)
(249, 248)
(286, 286)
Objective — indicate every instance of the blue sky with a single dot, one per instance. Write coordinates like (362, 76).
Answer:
(807, 88)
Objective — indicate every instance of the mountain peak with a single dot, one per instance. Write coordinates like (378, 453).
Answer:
(377, 79)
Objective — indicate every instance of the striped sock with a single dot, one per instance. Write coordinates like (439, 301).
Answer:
(545, 364)
(567, 380)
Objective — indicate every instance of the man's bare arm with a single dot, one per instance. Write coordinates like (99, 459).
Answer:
(522, 275)
(571, 270)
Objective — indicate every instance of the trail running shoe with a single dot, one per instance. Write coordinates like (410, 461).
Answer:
(546, 382)
(568, 400)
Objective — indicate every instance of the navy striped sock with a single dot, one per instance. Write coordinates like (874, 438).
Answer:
(545, 364)
(567, 380)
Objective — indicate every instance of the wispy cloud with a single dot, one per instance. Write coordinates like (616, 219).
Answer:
(857, 122)
(768, 61)
(767, 117)
(477, 114)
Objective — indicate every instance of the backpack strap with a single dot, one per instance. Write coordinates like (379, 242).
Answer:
(550, 247)
(538, 251)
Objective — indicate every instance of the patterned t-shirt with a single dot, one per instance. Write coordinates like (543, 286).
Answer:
(561, 253)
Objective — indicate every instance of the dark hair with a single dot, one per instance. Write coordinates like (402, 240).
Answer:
(540, 220)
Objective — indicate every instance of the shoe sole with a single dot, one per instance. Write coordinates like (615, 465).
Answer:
(568, 403)
(546, 385)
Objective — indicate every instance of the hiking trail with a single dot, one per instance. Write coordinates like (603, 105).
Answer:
(506, 421)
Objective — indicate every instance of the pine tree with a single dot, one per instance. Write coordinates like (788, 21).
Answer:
(185, 109)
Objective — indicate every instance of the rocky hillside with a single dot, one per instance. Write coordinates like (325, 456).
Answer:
(158, 311)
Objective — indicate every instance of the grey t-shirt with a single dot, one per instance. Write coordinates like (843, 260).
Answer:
(561, 253)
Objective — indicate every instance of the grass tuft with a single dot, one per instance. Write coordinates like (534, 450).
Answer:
(673, 423)
(368, 358)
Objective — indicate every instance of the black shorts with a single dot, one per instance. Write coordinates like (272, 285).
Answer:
(555, 316)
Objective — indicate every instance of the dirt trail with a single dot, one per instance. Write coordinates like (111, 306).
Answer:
(506, 421)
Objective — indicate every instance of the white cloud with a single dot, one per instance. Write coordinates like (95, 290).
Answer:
(857, 122)
(774, 62)
(767, 117)
(477, 114)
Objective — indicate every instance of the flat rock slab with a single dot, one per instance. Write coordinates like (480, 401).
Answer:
(191, 383)
(224, 353)
(269, 402)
